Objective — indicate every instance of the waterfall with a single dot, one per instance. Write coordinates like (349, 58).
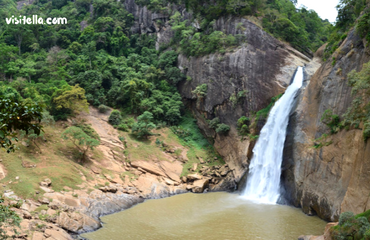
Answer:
(263, 181)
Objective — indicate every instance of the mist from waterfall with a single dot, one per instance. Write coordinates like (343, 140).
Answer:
(263, 180)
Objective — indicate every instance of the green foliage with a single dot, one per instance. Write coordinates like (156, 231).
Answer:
(359, 111)
(243, 126)
(263, 113)
(301, 27)
(222, 128)
(80, 139)
(144, 125)
(350, 227)
(88, 130)
(214, 123)
(366, 133)
(363, 26)
(180, 132)
(8, 218)
(201, 91)
(331, 120)
(103, 109)
(47, 119)
(190, 133)
(16, 115)
(348, 12)
(219, 127)
(191, 42)
(129, 122)
(115, 117)
(72, 98)
(123, 127)
(321, 142)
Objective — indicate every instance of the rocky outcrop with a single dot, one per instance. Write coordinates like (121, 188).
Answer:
(261, 68)
(335, 178)
(147, 22)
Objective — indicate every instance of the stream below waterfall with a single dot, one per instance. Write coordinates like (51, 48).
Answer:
(213, 216)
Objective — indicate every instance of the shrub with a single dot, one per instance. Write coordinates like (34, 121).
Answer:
(180, 131)
(103, 109)
(345, 217)
(115, 117)
(80, 139)
(47, 119)
(331, 120)
(129, 121)
(143, 127)
(214, 122)
(201, 90)
(243, 126)
(351, 227)
(88, 130)
(123, 127)
(222, 128)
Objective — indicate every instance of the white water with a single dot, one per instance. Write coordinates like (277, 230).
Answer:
(263, 182)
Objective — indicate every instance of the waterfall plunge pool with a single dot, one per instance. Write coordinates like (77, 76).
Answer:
(213, 216)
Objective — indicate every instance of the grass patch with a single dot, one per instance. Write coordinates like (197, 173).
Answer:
(55, 162)
(142, 150)
(198, 145)
(42, 207)
(364, 214)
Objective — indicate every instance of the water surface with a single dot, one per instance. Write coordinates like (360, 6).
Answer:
(207, 216)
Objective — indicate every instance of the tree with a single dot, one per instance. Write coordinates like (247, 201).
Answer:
(115, 117)
(71, 97)
(143, 126)
(81, 140)
(16, 115)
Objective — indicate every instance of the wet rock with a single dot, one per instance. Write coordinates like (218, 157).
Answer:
(200, 185)
(106, 203)
(77, 222)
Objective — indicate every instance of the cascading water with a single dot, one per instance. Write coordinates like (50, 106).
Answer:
(263, 181)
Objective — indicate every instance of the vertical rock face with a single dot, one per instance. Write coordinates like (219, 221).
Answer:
(335, 178)
(262, 67)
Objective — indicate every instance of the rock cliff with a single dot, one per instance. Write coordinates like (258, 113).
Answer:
(262, 67)
(335, 178)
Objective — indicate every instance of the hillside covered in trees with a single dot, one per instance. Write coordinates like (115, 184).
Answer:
(97, 52)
